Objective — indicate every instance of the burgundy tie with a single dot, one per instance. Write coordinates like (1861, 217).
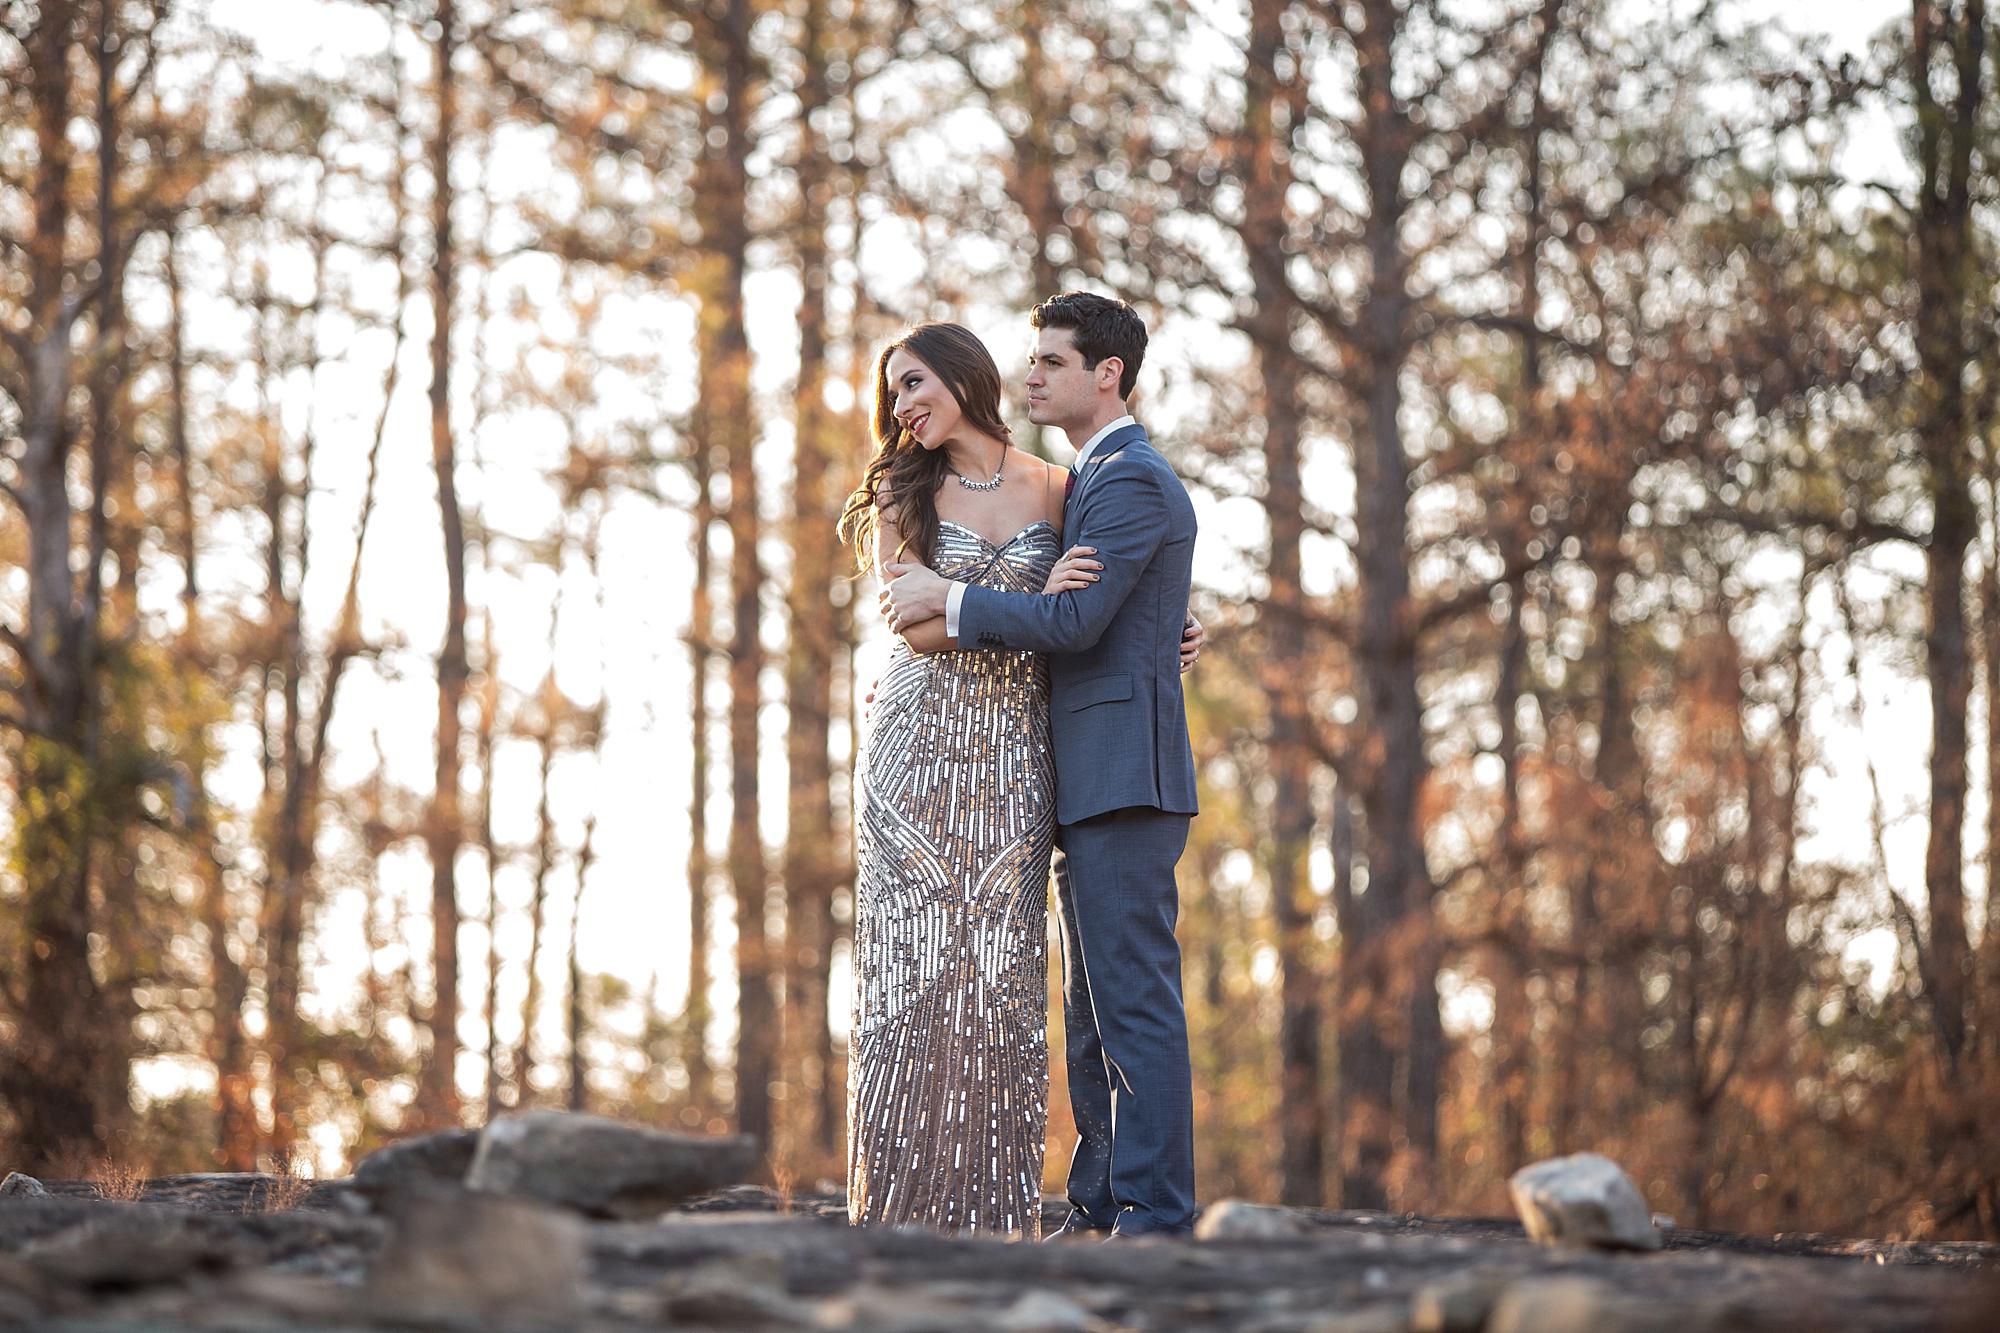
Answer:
(1069, 487)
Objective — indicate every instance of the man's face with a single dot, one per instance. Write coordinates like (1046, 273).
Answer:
(1062, 390)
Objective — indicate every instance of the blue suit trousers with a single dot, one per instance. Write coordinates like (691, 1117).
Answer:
(1124, 1021)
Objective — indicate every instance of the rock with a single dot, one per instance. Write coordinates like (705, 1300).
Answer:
(444, 1156)
(1044, 1311)
(132, 1252)
(455, 1255)
(1234, 1219)
(466, 1262)
(1371, 1319)
(601, 1167)
(1548, 1305)
(23, 1292)
(23, 1186)
(1457, 1304)
(741, 1291)
(870, 1307)
(1583, 1199)
(285, 1299)
(1584, 1305)
(740, 1199)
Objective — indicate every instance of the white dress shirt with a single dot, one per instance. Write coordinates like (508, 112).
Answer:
(956, 592)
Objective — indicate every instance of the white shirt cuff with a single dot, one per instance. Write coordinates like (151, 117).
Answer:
(952, 597)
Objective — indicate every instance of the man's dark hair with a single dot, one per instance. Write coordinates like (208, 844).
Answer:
(1100, 326)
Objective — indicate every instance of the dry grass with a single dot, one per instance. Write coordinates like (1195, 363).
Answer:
(116, 1181)
(288, 1185)
(785, 1180)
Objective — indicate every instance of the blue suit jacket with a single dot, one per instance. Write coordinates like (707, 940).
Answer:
(1119, 723)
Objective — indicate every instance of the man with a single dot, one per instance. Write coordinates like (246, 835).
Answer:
(1125, 787)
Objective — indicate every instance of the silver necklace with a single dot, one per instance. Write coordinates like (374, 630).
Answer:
(992, 485)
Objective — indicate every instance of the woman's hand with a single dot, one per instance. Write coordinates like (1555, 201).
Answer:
(1193, 636)
(1075, 570)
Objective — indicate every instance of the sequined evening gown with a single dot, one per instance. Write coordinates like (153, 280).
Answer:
(947, 1088)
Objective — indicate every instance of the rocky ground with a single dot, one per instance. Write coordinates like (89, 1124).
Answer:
(417, 1248)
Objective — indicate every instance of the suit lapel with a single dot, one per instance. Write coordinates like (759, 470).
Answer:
(1111, 444)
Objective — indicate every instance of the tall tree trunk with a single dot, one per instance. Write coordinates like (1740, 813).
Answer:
(1266, 177)
(111, 477)
(277, 679)
(1357, 1146)
(228, 1043)
(1946, 266)
(445, 826)
(1033, 177)
(52, 1081)
(1606, 1009)
(291, 858)
(1696, 1107)
(111, 485)
(725, 390)
(487, 687)
(1392, 1038)
(1513, 1026)
(1572, 1056)
(811, 844)
(700, 639)
(1031, 180)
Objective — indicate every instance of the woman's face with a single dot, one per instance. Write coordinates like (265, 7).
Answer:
(921, 402)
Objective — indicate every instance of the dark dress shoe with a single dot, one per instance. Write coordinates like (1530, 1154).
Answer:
(1075, 1228)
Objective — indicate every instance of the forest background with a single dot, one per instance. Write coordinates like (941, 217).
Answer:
(429, 680)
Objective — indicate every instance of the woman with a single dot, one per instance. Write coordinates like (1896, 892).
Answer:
(948, 1067)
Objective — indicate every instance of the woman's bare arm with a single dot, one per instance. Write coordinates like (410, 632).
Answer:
(926, 636)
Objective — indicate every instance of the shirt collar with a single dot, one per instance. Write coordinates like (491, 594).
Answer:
(1084, 453)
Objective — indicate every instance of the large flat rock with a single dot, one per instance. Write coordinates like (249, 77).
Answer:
(752, 1259)
(602, 1167)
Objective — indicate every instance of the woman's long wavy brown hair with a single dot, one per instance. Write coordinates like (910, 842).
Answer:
(909, 473)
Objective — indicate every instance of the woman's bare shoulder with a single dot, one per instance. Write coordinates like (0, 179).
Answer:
(1051, 471)
(1054, 481)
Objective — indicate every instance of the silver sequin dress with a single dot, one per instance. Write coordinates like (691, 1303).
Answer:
(947, 1091)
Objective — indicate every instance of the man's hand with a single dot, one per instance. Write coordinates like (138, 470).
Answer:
(912, 595)
(1192, 638)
